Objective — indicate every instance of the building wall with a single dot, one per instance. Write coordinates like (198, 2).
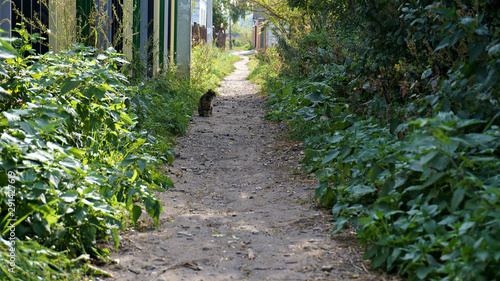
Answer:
(199, 13)
(270, 38)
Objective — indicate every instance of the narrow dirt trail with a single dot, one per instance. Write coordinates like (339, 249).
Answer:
(239, 210)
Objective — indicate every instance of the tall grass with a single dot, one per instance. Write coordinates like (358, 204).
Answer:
(209, 65)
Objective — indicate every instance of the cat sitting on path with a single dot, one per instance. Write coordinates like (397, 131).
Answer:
(205, 107)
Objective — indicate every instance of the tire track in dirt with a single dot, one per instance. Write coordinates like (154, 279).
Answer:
(240, 209)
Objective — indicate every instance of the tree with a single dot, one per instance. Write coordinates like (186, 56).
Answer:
(281, 17)
(231, 10)
(218, 17)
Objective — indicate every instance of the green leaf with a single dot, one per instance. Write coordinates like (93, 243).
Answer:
(400, 180)
(457, 36)
(423, 271)
(457, 198)
(72, 164)
(87, 202)
(374, 172)
(339, 224)
(69, 196)
(106, 87)
(435, 178)
(332, 154)
(307, 113)
(135, 213)
(69, 84)
(465, 227)
(395, 254)
(448, 221)
(315, 98)
(125, 118)
(28, 176)
(5, 94)
(475, 50)
(483, 31)
(360, 190)
(494, 50)
(54, 177)
(153, 208)
(438, 161)
(142, 164)
(6, 49)
(28, 128)
(365, 221)
(129, 160)
(379, 260)
(11, 118)
(426, 73)
(440, 135)
(479, 139)
(76, 152)
(116, 238)
(51, 218)
(430, 226)
(40, 155)
(132, 175)
(467, 21)
(444, 43)
(335, 139)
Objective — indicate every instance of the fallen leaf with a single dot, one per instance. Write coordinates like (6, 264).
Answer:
(251, 254)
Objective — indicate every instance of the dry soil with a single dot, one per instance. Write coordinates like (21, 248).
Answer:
(240, 209)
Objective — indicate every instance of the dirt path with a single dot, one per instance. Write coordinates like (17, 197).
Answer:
(240, 210)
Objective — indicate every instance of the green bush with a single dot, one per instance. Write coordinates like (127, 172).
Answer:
(209, 65)
(398, 109)
(264, 67)
(35, 262)
(69, 150)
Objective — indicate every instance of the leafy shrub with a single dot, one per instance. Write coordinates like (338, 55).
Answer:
(68, 143)
(437, 213)
(209, 65)
(400, 118)
(264, 68)
(34, 262)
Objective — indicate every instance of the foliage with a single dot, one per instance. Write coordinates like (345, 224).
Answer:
(437, 214)
(280, 17)
(68, 143)
(397, 103)
(218, 16)
(210, 65)
(264, 67)
(232, 8)
(35, 262)
(242, 37)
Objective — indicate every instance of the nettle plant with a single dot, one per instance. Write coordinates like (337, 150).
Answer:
(403, 133)
(67, 132)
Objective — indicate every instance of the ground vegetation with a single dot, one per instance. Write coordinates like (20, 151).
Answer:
(397, 103)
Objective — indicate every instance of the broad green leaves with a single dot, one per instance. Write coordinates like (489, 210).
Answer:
(398, 112)
(68, 140)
